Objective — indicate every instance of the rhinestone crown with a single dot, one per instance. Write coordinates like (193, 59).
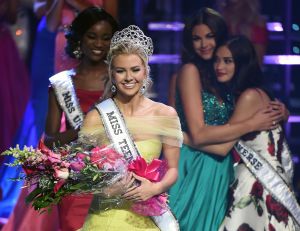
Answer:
(134, 35)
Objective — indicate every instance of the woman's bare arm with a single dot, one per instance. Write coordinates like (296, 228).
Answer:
(200, 134)
(247, 105)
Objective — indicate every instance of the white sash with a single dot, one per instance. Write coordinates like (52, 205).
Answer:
(116, 129)
(269, 178)
(66, 96)
(119, 135)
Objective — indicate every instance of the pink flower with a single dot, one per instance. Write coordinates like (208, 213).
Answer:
(58, 185)
(81, 156)
(51, 156)
(61, 173)
(77, 166)
(154, 206)
(65, 164)
(103, 156)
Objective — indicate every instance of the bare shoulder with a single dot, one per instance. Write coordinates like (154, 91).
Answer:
(189, 67)
(189, 78)
(187, 70)
(92, 118)
(253, 96)
(160, 109)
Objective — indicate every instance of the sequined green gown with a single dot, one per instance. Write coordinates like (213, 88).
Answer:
(199, 197)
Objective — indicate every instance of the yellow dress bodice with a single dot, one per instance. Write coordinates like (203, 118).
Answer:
(122, 218)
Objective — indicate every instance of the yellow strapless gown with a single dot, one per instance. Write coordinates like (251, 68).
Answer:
(149, 133)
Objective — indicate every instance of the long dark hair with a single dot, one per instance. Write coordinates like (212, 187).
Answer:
(217, 25)
(83, 22)
(248, 73)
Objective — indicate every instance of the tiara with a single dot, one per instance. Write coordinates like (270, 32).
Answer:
(134, 35)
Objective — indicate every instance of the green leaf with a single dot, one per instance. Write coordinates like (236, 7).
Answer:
(76, 186)
(33, 195)
(95, 177)
(245, 201)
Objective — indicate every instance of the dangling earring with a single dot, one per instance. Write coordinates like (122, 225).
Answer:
(77, 52)
(113, 89)
(143, 88)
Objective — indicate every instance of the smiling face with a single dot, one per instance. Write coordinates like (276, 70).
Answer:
(204, 42)
(96, 41)
(128, 73)
(224, 65)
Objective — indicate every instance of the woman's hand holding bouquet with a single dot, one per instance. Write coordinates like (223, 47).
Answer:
(143, 192)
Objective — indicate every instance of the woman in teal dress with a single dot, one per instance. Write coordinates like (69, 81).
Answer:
(199, 197)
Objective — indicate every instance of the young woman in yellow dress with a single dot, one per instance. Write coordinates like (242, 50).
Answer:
(154, 128)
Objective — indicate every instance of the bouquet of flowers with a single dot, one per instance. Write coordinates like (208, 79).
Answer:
(84, 169)
(53, 174)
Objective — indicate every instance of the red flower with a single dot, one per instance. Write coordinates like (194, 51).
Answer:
(271, 144)
(271, 149)
(28, 171)
(58, 185)
(64, 152)
(51, 156)
(236, 156)
(271, 227)
(257, 190)
(104, 156)
(277, 210)
(42, 146)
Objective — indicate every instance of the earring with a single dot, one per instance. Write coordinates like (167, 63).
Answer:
(143, 89)
(113, 88)
(77, 52)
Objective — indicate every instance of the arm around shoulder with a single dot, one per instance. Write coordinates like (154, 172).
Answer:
(250, 114)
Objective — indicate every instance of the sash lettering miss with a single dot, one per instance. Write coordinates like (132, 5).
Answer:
(66, 96)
